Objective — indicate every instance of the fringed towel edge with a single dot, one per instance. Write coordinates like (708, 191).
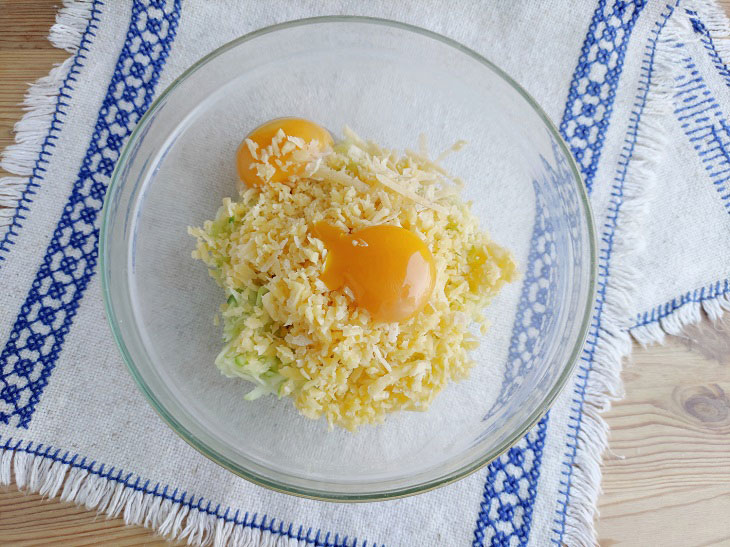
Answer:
(173, 514)
(45, 104)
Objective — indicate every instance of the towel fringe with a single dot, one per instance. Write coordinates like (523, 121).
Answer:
(37, 124)
(36, 471)
(614, 343)
(717, 24)
(676, 322)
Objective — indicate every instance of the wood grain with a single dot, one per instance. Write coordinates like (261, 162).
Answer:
(25, 56)
(28, 519)
(666, 479)
(667, 475)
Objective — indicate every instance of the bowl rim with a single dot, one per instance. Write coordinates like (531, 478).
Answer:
(313, 492)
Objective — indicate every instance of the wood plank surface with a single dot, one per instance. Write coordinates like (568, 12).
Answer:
(666, 478)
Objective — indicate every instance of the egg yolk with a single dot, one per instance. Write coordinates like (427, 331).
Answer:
(389, 270)
(282, 165)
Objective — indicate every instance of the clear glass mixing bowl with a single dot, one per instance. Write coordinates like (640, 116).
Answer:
(390, 82)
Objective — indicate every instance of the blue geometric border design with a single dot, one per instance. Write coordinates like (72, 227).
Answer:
(57, 119)
(536, 296)
(604, 267)
(505, 512)
(584, 124)
(37, 336)
(511, 483)
(595, 80)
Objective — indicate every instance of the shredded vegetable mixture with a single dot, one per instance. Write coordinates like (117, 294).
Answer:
(288, 334)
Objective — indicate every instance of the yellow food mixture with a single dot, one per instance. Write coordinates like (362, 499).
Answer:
(287, 332)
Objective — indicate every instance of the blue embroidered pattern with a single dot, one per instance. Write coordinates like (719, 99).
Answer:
(57, 119)
(706, 38)
(593, 89)
(509, 492)
(537, 297)
(511, 482)
(585, 121)
(703, 122)
(604, 266)
(45, 317)
(135, 482)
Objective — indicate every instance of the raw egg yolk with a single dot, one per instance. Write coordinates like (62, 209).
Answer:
(389, 270)
(263, 136)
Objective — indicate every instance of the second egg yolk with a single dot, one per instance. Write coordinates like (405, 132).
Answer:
(389, 270)
(282, 166)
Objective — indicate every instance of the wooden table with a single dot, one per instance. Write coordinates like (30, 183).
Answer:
(666, 477)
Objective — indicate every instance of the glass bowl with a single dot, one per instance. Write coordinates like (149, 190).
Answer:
(389, 82)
